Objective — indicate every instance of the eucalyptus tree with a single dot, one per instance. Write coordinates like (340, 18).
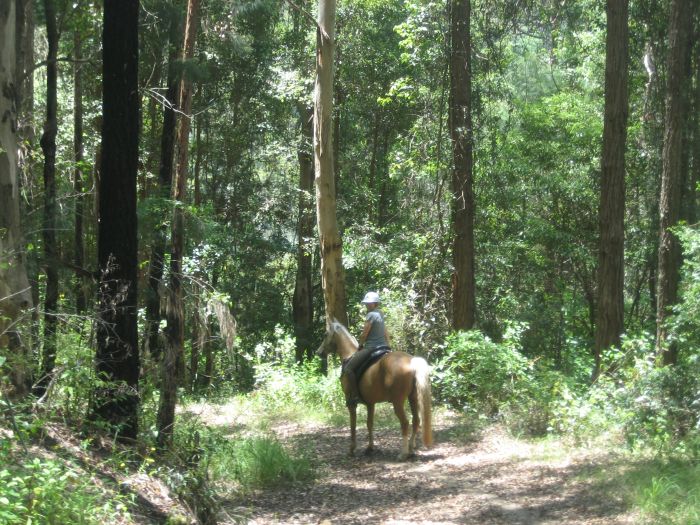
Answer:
(48, 147)
(14, 286)
(463, 278)
(611, 281)
(116, 396)
(671, 180)
(173, 361)
(332, 273)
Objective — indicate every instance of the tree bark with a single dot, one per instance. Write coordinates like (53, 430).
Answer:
(48, 146)
(463, 278)
(302, 302)
(165, 177)
(116, 399)
(173, 362)
(694, 171)
(610, 311)
(332, 273)
(15, 293)
(670, 198)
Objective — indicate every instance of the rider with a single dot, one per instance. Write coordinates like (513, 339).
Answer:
(374, 335)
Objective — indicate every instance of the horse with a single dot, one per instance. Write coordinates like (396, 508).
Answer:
(397, 376)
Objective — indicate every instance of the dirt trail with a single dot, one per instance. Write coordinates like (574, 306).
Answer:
(488, 478)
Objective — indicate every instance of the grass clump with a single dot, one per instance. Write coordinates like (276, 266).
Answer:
(260, 462)
(667, 492)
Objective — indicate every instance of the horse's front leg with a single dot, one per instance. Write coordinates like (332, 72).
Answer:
(353, 428)
(370, 428)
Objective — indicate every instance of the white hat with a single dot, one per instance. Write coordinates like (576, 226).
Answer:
(371, 297)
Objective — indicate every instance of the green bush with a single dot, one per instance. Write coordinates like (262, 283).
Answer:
(478, 374)
(47, 491)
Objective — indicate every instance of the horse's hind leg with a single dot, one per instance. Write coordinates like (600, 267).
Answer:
(401, 414)
(415, 421)
(353, 426)
(370, 428)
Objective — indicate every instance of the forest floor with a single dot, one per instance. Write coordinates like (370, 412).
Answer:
(469, 477)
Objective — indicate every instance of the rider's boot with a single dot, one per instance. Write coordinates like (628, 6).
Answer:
(353, 395)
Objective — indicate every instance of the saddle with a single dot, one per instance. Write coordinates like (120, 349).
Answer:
(372, 358)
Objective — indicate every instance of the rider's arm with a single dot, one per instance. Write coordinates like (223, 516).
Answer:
(386, 337)
(365, 332)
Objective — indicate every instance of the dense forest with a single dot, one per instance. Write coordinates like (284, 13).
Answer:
(192, 190)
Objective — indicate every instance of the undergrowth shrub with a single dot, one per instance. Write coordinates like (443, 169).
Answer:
(49, 491)
(285, 385)
(478, 374)
(238, 463)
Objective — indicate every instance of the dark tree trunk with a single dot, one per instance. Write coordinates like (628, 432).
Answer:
(610, 311)
(463, 280)
(670, 198)
(48, 146)
(302, 302)
(165, 177)
(116, 399)
(78, 245)
(691, 204)
(173, 362)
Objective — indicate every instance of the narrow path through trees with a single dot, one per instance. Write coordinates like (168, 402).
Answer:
(467, 478)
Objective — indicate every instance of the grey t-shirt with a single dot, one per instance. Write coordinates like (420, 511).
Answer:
(375, 338)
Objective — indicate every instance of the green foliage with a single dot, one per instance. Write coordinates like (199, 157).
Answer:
(260, 462)
(476, 373)
(221, 463)
(665, 492)
(285, 386)
(48, 491)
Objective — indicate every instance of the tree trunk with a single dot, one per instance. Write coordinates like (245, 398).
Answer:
(332, 273)
(165, 177)
(610, 312)
(463, 279)
(670, 198)
(15, 293)
(116, 398)
(694, 175)
(302, 302)
(173, 362)
(78, 246)
(48, 146)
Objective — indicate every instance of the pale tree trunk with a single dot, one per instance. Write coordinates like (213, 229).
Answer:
(332, 274)
(15, 293)
(48, 146)
(173, 361)
(302, 302)
(117, 362)
(463, 278)
(610, 312)
(670, 198)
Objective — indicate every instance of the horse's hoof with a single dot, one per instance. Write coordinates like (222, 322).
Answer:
(369, 451)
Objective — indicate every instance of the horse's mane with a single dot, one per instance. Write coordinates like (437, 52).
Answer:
(337, 326)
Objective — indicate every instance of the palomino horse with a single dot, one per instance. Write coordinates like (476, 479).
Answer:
(394, 378)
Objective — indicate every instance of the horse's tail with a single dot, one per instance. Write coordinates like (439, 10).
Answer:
(421, 371)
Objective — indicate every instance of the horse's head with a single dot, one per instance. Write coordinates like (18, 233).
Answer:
(335, 334)
(329, 344)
